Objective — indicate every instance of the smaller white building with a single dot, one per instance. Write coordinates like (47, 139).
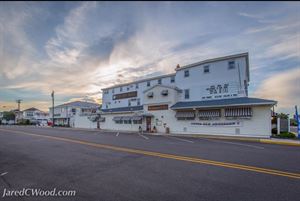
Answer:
(35, 116)
(78, 114)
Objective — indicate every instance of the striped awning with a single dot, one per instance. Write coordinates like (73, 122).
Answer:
(117, 118)
(164, 92)
(185, 114)
(137, 118)
(238, 112)
(150, 94)
(126, 118)
(209, 113)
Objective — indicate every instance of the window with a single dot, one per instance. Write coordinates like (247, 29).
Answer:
(186, 73)
(172, 79)
(159, 81)
(206, 69)
(129, 102)
(127, 88)
(113, 90)
(138, 101)
(121, 88)
(186, 94)
(231, 65)
(137, 121)
(148, 84)
(136, 86)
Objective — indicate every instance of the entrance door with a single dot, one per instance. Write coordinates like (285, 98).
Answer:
(148, 124)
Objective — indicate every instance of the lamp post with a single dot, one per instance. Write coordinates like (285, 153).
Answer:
(52, 95)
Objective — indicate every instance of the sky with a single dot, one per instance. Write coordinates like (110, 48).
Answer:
(78, 48)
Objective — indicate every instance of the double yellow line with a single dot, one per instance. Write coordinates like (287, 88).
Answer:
(168, 156)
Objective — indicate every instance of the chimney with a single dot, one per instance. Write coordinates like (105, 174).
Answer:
(177, 67)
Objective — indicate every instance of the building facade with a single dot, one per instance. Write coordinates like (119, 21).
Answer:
(35, 116)
(207, 97)
(77, 114)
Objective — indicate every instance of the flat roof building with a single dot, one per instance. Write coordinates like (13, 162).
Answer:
(207, 97)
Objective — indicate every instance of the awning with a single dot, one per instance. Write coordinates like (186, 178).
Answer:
(238, 112)
(209, 113)
(137, 118)
(164, 92)
(150, 94)
(126, 118)
(117, 118)
(185, 114)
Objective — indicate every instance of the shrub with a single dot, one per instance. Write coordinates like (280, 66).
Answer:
(287, 135)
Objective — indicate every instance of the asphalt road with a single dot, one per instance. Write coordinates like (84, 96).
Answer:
(142, 167)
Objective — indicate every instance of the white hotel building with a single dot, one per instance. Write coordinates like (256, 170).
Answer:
(208, 97)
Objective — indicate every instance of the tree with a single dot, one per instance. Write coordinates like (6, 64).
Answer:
(9, 116)
(283, 116)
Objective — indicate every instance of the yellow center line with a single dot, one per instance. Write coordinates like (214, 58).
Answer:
(168, 156)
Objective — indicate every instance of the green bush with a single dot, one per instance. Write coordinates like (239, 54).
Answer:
(287, 135)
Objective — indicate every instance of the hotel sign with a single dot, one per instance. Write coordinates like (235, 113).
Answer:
(220, 90)
(125, 95)
(157, 107)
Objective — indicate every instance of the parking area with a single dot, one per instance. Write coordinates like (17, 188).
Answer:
(128, 166)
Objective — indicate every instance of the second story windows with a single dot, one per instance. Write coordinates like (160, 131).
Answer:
(206, 69)
(186, 94)
(121, 88)
(186, 73)
(231, 65)
(159, 81)
(172, 79)
(148, 84)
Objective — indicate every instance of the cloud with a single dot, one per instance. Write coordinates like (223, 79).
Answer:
(92, 45)
(282, 87)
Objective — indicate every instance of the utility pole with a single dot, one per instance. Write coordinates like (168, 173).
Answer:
(52, 95)
(19, 108)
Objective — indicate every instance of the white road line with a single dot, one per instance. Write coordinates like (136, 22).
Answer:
(184, 140)
(117, 134)
(4, 173)
(240, 144)
(144, 137)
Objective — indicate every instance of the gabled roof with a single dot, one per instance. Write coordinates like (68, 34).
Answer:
(165, 86)
(31, 109)
(244, 101)
(124, 109)
(80, 104)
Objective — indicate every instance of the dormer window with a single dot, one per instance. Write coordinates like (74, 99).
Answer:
(159, 81)
(148, 84)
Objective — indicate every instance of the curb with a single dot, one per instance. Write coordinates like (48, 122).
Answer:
(279, 143)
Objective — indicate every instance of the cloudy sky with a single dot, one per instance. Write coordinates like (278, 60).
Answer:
(77, 48)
